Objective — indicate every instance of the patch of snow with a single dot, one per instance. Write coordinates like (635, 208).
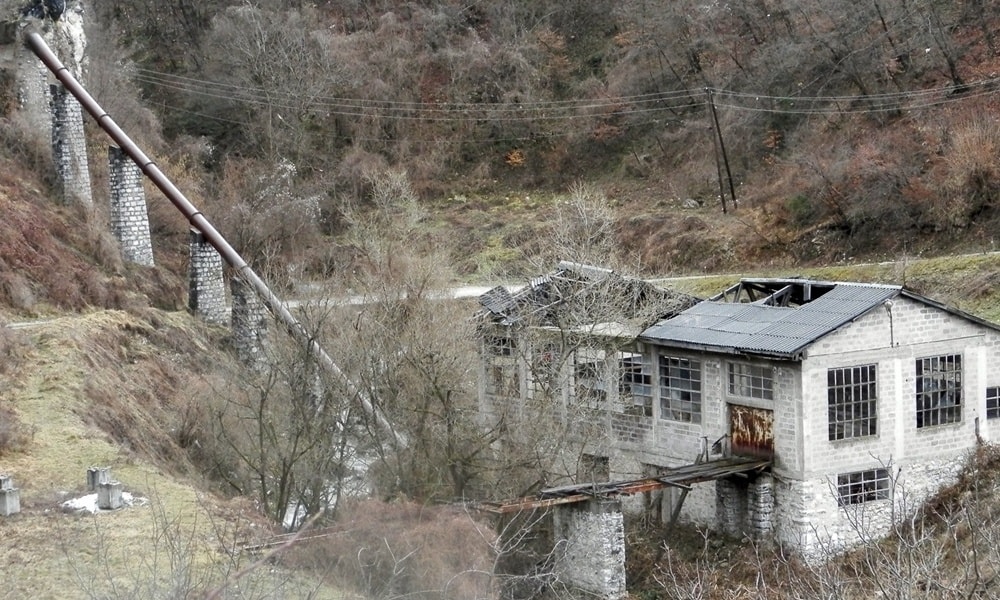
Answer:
(89, 503)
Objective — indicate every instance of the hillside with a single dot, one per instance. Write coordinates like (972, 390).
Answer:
(541, 149)
(843, 139)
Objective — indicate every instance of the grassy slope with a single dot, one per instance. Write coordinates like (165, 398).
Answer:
(184, 532)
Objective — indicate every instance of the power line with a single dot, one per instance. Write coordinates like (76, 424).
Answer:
(648, 107)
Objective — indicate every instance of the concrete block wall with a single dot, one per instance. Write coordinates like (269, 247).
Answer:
(69, 147)
(731, 507)
(206, 286)
(129, 216)
(892, 338)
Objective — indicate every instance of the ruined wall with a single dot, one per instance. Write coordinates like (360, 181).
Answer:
(67, 39)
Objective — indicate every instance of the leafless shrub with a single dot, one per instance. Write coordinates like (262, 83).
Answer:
(973, 177)
(14, 435)
(404, 550)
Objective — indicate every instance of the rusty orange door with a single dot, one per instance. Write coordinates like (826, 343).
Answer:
(751, 431)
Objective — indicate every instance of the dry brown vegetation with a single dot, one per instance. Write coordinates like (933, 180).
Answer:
(946, 548)
(845, 137)
(386, 201)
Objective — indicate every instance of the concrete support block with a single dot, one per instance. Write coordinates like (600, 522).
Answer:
(10, 501)
(590, 547)
(109, 495)
(96, 476)
(6, 482)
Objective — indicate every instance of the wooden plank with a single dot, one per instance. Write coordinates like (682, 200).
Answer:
(682, 477)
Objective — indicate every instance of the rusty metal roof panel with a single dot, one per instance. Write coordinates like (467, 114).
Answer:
(765, 329)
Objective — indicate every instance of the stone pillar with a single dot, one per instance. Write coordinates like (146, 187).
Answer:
(249, 323)
(33, 92)
(731, 506)
(10, 497)
(69, 147)
(96, 476)
(129, 218)
(590, 547)
(206, 286)
(760, 507)
(109, 495)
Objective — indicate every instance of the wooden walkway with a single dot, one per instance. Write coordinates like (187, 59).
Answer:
(682, 477)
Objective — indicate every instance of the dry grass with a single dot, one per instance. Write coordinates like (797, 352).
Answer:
(83, 374)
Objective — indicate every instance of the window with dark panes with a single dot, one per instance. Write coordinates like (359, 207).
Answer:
(636, 385)
(680, 389)
(590, 381)
(993, 403)
(751, 381)
(852, 402)
(862, 486)
(939, 390)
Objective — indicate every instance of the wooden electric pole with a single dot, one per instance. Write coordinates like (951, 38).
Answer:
(720, 149)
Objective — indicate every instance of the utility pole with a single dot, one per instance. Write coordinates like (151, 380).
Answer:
(720, 148)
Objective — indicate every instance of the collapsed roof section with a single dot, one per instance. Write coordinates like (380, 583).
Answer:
(583, 298)
(777, 317)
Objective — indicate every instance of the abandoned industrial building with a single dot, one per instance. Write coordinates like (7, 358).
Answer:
(856, 396)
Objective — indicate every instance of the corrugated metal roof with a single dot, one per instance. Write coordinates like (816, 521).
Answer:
(497, 300)
(757, 328)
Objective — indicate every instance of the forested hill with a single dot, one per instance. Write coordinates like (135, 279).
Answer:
(845, 129)
(849, 128)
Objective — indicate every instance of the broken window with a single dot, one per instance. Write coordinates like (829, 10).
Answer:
(862, 486)
(680, 389)
(546, 370)
(636, 385)
(594, 468)
(993, 402)
(501, 366)
(751, 381)
(590, 378)
(939, 390)
(852, 401)
(501, 380)
(500, 345)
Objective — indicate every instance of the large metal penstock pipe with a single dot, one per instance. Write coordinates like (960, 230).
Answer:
(278, 308)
